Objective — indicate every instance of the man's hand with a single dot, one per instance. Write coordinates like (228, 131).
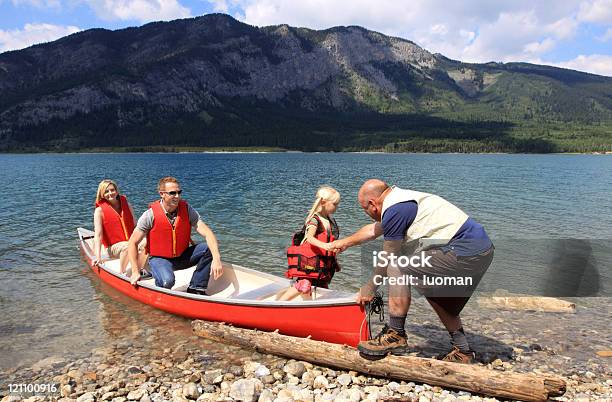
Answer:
(135, 277)
(216, 268)
(337, 246)
(96, 262)
(364, 296)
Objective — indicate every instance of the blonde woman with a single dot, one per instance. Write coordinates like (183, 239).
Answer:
(113, 225)
(310, 257)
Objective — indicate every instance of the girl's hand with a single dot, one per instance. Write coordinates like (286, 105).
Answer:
(328, 246)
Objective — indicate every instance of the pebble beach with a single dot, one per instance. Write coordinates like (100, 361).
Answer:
(144, 362)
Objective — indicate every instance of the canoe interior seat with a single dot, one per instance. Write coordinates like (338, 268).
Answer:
(328, 294)
(261, 292)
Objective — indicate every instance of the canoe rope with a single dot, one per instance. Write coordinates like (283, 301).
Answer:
(375, 306)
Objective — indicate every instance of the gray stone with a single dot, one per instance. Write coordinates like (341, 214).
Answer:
(86, 397)
(308, 378)
(344, 379)
(191, 391)
(66, 390)
(136, 394)
(393, 386)
(261, 371)
(236, 370)
(295, 368)
(209, 389)
(134, 370)
(210, 376)
(320, 382)
(266, 396)
(250, 367)
(243, 390)
(49, 362)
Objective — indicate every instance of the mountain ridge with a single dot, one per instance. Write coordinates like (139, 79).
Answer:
(215, 81)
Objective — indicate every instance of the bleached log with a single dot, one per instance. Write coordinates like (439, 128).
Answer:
(473, 378)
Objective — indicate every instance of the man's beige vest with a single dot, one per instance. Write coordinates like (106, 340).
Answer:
(437, 220)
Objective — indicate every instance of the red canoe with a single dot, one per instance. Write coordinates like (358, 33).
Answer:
(246, 298)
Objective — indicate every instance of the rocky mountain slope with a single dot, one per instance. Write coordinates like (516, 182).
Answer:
(214, 81)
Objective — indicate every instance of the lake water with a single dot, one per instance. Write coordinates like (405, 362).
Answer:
(52, 305)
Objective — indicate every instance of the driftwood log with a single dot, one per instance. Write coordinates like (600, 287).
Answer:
(478, 379)
(523, 302)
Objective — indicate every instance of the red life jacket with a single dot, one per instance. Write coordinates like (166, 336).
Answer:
(311, 262)
(116, 227)
(164, 240)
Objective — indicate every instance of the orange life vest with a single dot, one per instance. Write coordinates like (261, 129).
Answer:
(165, 240)
(116, 227)
(311, 262)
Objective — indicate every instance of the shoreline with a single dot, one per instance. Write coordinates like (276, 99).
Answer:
(265, 150)
(143, 364)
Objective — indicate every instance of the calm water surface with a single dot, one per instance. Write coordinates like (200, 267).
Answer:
(52, 305)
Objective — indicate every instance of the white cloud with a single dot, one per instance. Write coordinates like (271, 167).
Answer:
(139, 10)
(439, 29)
(220, 6)
(595, 63)
(606, 36)
(32, 34)
(564, 28)
(597, 11)
(38, 3)
(471, 30)
(539, 47)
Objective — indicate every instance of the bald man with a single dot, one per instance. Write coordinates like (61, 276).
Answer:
(448, 252)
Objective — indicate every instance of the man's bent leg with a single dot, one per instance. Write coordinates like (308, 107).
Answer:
(203, 258)
(200, 256)
(161, 269)
(392, 338)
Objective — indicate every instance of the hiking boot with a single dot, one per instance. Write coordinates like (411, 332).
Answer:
(387, 341)
(457, 356)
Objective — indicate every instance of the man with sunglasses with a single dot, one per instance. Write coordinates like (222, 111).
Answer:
(450, 246)
(167, 225)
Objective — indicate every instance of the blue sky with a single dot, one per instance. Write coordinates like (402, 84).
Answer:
(574, 34)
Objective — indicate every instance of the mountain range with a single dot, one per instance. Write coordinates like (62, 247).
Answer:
(213, 81)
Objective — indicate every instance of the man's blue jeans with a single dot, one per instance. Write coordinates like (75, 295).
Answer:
(163, 269)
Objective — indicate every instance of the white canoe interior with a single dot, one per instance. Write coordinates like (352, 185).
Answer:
(237, 284)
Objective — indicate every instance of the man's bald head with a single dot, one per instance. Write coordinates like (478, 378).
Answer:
(371, 190)
(370, 199)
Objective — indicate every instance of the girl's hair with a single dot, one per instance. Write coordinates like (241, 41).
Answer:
(102, 188)
(326, 193)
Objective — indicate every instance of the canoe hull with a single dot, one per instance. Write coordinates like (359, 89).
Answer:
(341, 324)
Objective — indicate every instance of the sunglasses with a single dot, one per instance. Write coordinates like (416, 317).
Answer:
(172, 193)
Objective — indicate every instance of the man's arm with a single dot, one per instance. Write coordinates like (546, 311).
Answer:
(211, 240)
(135, 239)
(365, 234)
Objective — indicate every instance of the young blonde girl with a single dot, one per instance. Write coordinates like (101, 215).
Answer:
(320, 230)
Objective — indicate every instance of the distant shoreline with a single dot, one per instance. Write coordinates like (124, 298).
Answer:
(259, 150)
